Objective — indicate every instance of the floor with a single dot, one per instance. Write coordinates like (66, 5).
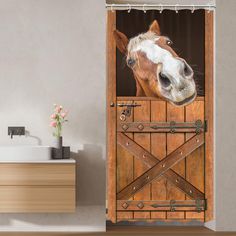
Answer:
(134, 230)
(85, 219)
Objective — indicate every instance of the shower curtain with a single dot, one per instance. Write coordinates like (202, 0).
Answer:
(160, 123)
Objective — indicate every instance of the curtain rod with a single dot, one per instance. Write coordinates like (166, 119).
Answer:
(157, 6)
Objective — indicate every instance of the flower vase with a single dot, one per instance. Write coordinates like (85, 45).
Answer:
(57, 153)
(58, 142)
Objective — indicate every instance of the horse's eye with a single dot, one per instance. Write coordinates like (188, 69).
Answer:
(169, 42)
(131, 62)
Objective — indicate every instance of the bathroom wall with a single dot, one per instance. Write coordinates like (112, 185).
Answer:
(54, 52)
(225, 95)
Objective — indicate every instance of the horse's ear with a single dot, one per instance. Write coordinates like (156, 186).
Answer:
(155, 28)
(121, 41)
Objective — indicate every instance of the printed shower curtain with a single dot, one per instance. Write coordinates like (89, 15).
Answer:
(160, 114)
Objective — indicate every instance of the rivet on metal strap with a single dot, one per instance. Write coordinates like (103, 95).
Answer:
(125, 205)
(125, 127)
(140, 127)
(140, 205)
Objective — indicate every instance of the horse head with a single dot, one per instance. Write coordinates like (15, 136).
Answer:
(157, 69)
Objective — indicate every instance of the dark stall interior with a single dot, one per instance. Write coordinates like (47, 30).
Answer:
(185, 29)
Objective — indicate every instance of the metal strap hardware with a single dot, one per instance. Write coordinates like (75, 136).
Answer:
(198, 205)
(164, 127)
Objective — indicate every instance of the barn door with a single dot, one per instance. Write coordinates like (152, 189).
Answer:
(159, 155)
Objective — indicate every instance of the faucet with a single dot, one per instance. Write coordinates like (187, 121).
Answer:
(20, 130)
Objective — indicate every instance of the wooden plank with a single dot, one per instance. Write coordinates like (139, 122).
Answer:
(128, 98)
(37, 174)
(111, 115)
(142, 113)
(159, 127)
(184, 221)
(209, 111)
(161, 167)
(124, 165)
(174, 141)
(158, 148)
(39, 199)
(149, 160)
(162, 205)
(195, 161)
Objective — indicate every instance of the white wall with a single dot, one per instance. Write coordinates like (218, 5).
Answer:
(225, 94)
(54, 52)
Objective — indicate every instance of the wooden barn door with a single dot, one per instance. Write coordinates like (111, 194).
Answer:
(159, 156)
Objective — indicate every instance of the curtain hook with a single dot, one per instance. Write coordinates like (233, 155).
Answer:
(161, 8)
(144, 9)
(129, 9)
(193, 9)
(209, 9)
(112, 10)
(176, 8)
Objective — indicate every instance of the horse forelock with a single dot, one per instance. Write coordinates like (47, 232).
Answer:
(135, 41)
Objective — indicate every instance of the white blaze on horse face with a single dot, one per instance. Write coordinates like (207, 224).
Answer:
(171, 66)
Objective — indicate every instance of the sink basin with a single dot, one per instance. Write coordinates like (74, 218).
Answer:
(25, 153)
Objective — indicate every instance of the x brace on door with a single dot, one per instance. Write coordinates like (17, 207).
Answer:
(158, 168)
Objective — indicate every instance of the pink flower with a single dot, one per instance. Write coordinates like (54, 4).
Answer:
(53, 124)
(53, 116)
(64, 114)
(58, 109)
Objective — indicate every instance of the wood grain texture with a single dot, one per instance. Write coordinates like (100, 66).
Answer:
(149, 160)
(37, 199)
(111, 115)
(124, 164)
(37, 174)
(195, 161)
(209, 111)
(158, 148)
(163, 166)
(173, 142)
(142, 113)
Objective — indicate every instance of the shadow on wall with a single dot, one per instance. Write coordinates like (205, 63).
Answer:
(91, 175)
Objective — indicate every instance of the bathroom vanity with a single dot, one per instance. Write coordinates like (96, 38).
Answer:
(45, 186)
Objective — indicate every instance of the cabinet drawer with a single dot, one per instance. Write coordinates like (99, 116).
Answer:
(37, 174)
(39, 199)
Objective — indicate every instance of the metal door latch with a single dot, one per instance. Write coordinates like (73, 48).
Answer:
(127, 111)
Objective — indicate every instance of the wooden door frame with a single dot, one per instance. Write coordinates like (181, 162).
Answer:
(111, 114)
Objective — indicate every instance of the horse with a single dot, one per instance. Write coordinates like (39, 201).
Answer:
(157, 69)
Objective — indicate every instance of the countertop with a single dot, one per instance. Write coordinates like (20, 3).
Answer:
(53, 161)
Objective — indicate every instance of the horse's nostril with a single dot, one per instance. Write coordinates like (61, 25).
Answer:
(165, 82)
(187, 70)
